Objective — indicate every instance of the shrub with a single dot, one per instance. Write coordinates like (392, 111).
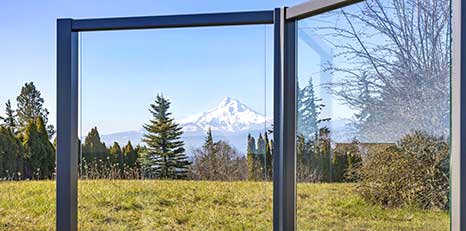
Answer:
(218, 162)
(414, 172)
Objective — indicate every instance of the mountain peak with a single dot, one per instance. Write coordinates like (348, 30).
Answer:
(229, 115)
(232, 105)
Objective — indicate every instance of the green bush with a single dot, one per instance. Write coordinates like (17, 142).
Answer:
(414, 172)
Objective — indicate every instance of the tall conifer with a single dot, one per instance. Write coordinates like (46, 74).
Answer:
(30, 106)
(166, 154)
(10, 118)
(40, 153)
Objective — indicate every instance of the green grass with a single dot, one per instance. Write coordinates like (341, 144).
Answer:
(187, 205)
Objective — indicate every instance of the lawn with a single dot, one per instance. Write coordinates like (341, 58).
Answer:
(191, 205)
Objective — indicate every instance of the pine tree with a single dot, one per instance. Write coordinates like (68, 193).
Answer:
(268, 156)
(209, 141)
(166, 153)
(93, 148)
(325, 155)
(130, 155)
(261, 152)
(300, 149)
(116, 158)
(251, 158)
(308, 111)
(10, 119)
(30, 106)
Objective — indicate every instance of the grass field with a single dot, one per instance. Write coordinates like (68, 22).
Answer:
(187, 205)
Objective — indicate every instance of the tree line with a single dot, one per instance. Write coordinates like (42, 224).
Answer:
(27, 153)
(25, 148)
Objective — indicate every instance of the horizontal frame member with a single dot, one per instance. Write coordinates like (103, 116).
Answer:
(174, 21)
(315, 7)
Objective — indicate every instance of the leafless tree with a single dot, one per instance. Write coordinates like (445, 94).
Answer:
(395, 68)
(218, 162)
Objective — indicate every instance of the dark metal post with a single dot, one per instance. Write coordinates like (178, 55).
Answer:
(277, 102)
(461, 43)
(67, 126)
(285, 126)
(289, 122)
(458, 117)
(459, 79)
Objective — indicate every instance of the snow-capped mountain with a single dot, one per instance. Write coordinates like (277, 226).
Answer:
(230, 121)
(229, 116)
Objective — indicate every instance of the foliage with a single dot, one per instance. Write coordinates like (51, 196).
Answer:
(39, 151)
(10, 117)
(347, 158)
(251, 155)
(130, 155)
(308, 111)
(166, 154)
(11, 155)
(117, 158)
(218, 161)
(413, 172)
(93, 148)
(317, 161)
(116, 162)
(28, 153)
(30, 107)
(268, 157)
(259, 157)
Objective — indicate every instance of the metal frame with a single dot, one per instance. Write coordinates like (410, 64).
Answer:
(68, 84)
(67, 125)
(174, 21)
(285, 35)
(315, 7)
(285, 117)
(458, 114)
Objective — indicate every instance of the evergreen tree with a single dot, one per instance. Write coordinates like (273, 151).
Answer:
(340, 165)
(325, 155)
(268, 156)
(11, 155)
(300, 149)
(40, 154)
(10, 119)
(308, 111)
(93, 148)
(209, 141)
(261, 152)
(166, 154)
(30, 106)
(116, 157)
(260, 145)
(251, 158)
(130, 155)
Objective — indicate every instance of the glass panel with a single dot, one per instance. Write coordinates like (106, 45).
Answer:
(373, 117)
(175, 129)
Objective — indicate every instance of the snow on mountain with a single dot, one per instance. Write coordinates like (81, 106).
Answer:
(230, 121)
(229, 116)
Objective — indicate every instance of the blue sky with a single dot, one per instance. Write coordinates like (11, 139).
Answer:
(28, 41)
(122, 71)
